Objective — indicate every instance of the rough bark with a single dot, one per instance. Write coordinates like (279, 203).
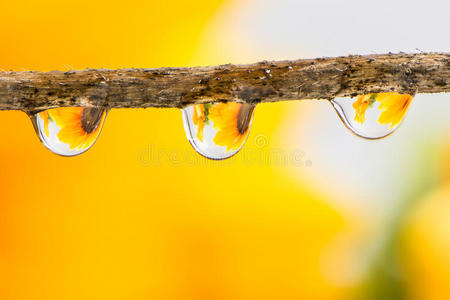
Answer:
(321, 78)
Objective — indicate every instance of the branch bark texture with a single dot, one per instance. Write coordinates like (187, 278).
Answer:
(321, 78)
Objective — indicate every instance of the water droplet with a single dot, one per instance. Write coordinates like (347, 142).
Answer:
(69, 131)
(218, 131)
(373, 116)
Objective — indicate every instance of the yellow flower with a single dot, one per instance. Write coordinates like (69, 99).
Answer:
(427, 268)
(79, 126)
(394, 107)
(360, 106)
(232, 121)
(199, 119)
(44, 116)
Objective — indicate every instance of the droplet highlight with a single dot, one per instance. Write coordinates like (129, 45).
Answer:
(218, 131)
(373, 116)
(69, 131)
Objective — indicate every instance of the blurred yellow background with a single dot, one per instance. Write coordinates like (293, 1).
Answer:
(142, 216)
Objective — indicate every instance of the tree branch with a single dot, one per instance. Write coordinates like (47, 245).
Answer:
(321, 78)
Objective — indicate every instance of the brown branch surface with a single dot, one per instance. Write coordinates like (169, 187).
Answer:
(321, 78)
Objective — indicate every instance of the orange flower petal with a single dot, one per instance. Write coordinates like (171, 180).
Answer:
(360, 106)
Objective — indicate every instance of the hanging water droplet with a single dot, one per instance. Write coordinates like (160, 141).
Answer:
(373, 116)
(218, 131)
(69, 131)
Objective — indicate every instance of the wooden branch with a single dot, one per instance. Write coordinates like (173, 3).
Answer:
(321, 78)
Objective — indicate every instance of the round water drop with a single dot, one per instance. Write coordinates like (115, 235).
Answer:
(373, 116)
(218, 131)
(69, 131)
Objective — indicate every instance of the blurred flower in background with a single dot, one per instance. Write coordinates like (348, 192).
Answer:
(305, 210)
